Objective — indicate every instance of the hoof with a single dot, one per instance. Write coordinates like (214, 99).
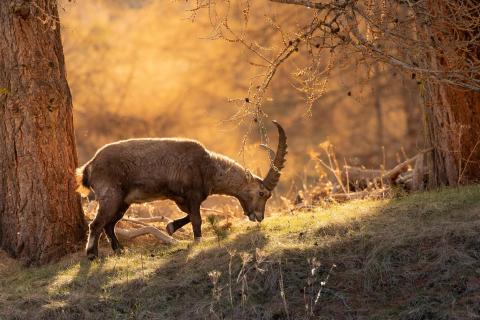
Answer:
(170, 229)
(197, 239)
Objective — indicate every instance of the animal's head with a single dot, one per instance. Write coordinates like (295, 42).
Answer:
(257, 191)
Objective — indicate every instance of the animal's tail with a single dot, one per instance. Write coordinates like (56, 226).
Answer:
(82, 176)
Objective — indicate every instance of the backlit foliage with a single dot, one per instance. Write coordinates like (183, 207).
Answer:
(215, 73)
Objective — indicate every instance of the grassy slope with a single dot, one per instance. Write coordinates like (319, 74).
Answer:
(412, 258)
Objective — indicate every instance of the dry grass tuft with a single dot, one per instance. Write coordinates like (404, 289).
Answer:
(416, 257)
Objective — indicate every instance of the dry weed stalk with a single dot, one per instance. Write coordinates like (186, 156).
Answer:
(231, 254)
(216, 291)
(370, 30)
(257, 267)
(282, 290)
(434, 42)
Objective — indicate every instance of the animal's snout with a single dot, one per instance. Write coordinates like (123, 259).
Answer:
(255, 216)
(259, 216)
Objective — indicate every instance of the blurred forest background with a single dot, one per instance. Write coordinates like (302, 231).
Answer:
(158, 69)
(391, 88)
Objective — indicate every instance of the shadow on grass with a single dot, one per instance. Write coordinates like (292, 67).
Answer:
(411, 259)
(180, 283)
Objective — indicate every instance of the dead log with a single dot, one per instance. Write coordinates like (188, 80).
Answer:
(393, 174)
(360, 178)
(404, 180)
(408, 175)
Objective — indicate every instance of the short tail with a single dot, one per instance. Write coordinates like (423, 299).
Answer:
(82, 176)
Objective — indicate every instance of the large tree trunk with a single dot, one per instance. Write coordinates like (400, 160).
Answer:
(452, 114)
(40, 213)
(453, 126)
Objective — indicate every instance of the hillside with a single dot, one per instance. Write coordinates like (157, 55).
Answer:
(416, 257)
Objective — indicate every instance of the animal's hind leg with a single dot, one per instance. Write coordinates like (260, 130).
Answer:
(108, 206)
(178, 223)
(110, 228)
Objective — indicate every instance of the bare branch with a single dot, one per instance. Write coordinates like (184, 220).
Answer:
(305, 3)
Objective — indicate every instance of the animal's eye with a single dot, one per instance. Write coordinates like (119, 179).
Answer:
(261, 194)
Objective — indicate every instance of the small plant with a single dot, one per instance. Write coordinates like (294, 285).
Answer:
(216, 290)
(313, 279)
(256, 268)
(220, 231)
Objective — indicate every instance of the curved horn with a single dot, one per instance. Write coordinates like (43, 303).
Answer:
(273, 175)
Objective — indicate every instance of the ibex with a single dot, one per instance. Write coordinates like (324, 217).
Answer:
(182, 170)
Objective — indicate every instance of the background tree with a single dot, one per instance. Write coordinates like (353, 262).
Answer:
(40, 213)
(434, 41)
(188, 81)
(450, 31)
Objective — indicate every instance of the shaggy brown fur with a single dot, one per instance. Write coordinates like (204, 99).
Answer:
(182, 170)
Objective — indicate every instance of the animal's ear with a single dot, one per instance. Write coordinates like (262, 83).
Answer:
(249, 176)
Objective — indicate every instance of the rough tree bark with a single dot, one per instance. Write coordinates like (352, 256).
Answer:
(452, 114)
(453, 129)
(40, 213)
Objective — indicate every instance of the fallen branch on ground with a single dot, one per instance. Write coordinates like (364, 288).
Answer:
(146, 228)
(402, 167)
(362, 177)
(134, 233)
(149, 219)
(142, 221)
